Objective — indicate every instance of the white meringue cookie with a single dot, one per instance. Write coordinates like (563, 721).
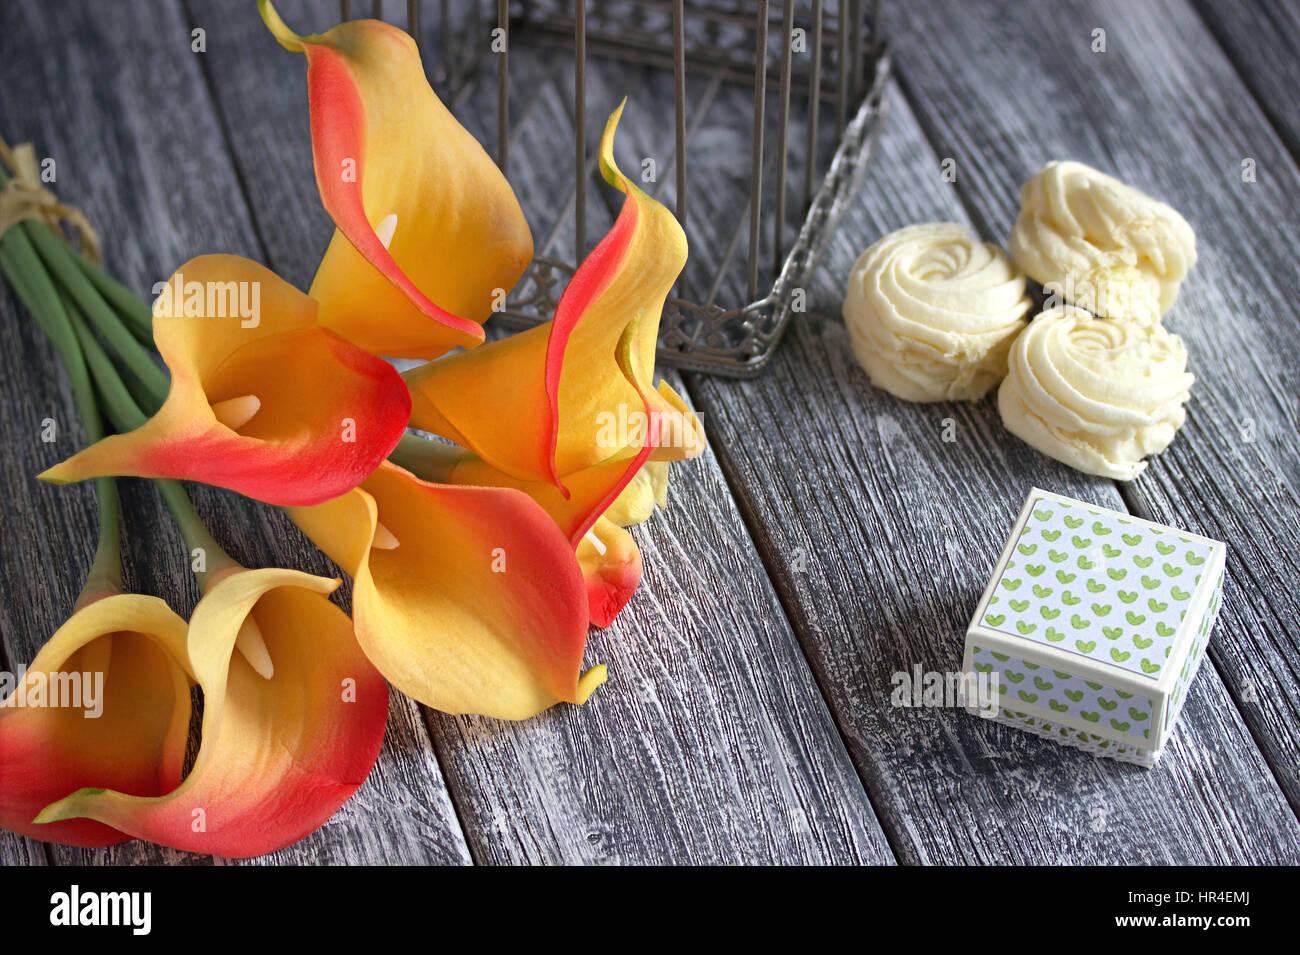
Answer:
(932, 311)
(1099, 244)
(1099, 394)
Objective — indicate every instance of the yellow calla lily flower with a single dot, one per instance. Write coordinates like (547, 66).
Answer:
(430, 235)
(608, 556)
(124, 658)
(575, 391)
(262, 400)
(468, 599)
(279, 754)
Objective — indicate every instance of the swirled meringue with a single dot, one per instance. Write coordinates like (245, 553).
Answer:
(1100, 244)
(1099, 394)
(932, 311)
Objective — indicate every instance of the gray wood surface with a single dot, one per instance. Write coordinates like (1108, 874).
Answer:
(1262, 39)
(830, 537)
(1164, 109)
(881, 536)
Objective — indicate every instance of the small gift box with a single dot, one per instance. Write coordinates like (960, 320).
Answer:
(1093, 626)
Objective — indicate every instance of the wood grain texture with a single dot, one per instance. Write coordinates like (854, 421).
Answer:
(711, 742)
(1262, 39)
(881, 535)
(138, 147)
(19, 850)
(1162, 109)
(829, 524)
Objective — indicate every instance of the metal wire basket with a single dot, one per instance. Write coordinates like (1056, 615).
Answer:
(750, 41)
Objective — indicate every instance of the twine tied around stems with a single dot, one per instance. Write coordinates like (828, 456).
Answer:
(25, 197)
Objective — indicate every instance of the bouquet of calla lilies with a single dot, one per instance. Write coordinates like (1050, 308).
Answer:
(478, 562)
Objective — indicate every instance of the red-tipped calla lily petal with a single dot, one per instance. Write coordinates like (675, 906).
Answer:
(556, 399)
(262, 400)
(611, 565)
(591, 491)
(612, 572)
(587, 493)
(609, 558)
(126, 651)
(278, 755)
(467, 599)
(393, 164)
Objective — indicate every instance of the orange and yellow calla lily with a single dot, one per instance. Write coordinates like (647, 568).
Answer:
(607, 555)
(278, 755)
(263, 400)
(429, 234)
(612, 571)
(611, 567)
(124, 657)
(467, 599)
(538, 406)
(566, 411)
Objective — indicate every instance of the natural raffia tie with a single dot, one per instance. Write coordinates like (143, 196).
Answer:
(25, 197)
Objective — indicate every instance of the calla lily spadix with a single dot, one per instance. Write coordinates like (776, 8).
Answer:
(124, 656)
(392, 163)
(263, 401)
(278, 755)
(467, 599)
(537, 405)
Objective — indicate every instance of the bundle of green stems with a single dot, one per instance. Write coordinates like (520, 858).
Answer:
(103, 335)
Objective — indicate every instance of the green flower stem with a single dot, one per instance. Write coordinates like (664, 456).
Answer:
(126, 322)
(133, 310)
(61, 261)
(32, 283)
(121, 403)
(206, 556)
(114, 399)
(33, 286)
(105, 576)
(429, 460)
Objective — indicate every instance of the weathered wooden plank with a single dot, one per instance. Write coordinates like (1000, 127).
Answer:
(16, 850)
(931, 203)
(880, 535)
(711, 742)
(1262, 39)
(1162, 108)
(125, 112)
(713, 161)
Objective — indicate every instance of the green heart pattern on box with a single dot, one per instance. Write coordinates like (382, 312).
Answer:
(1194, 654)
(1099, 585)
(1066, 695)
(1090, 742)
